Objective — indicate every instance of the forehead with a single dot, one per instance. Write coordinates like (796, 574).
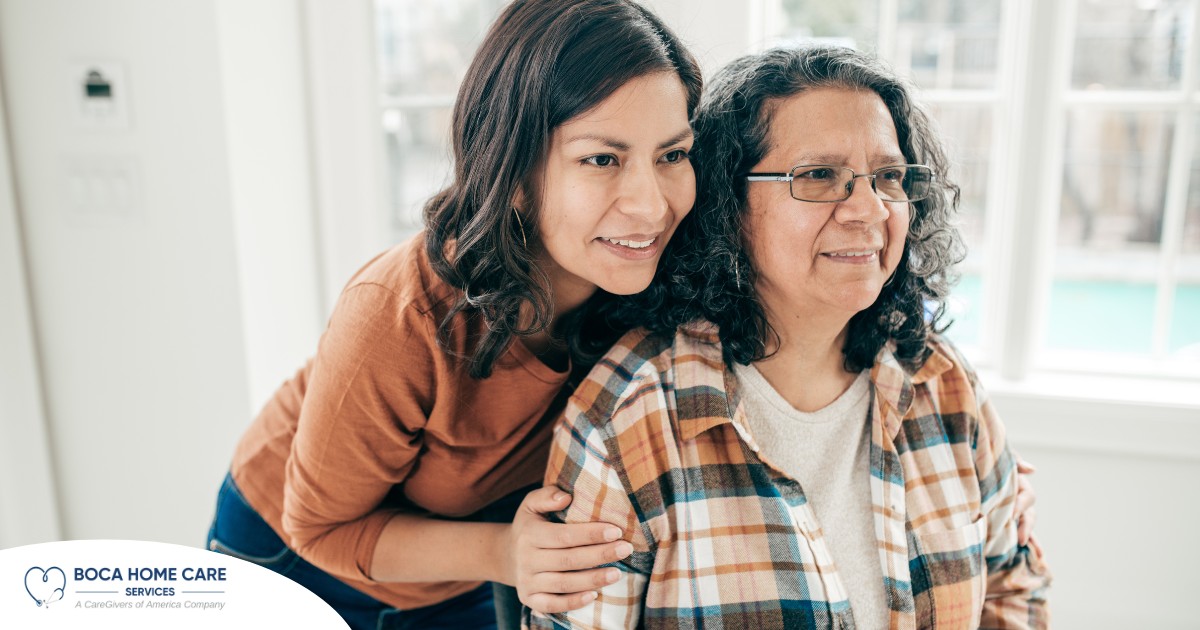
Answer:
(646, 101)
(836, 125)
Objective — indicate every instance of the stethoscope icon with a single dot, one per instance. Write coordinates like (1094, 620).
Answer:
(55, 594)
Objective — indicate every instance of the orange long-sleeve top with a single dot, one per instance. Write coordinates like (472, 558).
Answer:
(382, 420)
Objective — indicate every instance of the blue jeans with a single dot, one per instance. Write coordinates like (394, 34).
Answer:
(237, 530)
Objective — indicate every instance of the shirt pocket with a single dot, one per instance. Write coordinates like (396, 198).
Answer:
(953, 565)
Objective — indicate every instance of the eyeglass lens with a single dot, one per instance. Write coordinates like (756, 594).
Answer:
(832, 183)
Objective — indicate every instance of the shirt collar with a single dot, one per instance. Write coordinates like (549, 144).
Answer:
(704, 386)
(895, 382)
(702, 395)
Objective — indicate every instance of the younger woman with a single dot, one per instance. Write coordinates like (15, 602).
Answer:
(433, 391)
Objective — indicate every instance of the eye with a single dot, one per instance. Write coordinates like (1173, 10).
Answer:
(676, 156)
(818, 174)
(893, 175)
(602, 161)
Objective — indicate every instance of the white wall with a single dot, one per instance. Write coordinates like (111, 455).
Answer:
(269, 163)
(348, 157)
(1119, 533)
(160, 327)
(713, 32)
(27, 489)
(1117, 502)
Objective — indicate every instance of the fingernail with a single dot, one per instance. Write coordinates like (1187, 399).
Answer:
(624, 549)
(560, 495)
(612, 533)
(612, 575)
(589, 596)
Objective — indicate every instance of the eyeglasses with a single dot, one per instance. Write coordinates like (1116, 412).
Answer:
(822, 182)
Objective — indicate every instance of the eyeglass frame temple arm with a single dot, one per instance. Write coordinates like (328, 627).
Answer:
(769, 177)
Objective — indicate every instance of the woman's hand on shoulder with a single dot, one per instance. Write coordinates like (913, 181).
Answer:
(553, 565)
(1026, 498)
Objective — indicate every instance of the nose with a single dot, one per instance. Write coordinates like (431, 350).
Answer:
(863, 205)
(642, 194)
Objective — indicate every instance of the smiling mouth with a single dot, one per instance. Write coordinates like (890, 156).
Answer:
(860, 254)
(629, 243)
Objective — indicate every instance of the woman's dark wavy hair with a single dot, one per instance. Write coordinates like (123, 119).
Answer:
(706, 272)
(542, 63)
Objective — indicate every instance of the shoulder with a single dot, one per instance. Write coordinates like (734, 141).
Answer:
(949, 382)
(639, 360)
(404, 271)
(945, 364)
(387, 305)
(399, 286)
(646, 379)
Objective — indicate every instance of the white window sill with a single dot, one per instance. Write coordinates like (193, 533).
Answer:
(1138, 415)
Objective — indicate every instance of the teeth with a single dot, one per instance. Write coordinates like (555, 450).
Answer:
(631, 244)
(848, 254)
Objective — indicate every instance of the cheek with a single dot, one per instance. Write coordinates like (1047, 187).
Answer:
(682, 192)
(897, 227)
(564, 208)
(774, 241)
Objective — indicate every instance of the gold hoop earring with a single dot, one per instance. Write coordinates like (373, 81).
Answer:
(521, 225)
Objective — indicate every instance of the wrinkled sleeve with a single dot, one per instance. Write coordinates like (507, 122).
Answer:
(585, 460)
(360, 429)
(1018, 578)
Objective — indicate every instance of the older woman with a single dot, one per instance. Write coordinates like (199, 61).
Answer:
(789, 442)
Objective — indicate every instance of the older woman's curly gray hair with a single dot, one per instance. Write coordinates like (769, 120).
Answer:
(706, 273)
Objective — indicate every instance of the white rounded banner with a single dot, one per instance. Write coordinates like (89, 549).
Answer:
(136, 584)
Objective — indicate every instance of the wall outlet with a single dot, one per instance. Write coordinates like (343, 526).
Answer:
(99, 94)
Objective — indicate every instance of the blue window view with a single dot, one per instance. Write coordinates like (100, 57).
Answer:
(1092, 315)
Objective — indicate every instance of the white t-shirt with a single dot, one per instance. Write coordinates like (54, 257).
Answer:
(828, 452)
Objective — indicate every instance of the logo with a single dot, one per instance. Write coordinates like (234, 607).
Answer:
(45, 586)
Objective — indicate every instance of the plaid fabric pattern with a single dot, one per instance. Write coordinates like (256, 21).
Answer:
(654, 440)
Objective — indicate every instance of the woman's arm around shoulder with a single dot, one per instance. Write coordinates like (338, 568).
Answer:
(611, 418)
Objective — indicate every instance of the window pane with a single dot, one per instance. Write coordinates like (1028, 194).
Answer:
(418, 162)
(1109, 230)
(965, 308)
(1184, 338)
(425, 47)
(943, 44)
(1131, 45)
(948, 44)
(967, 131)
(853, 23)
(1108, 315)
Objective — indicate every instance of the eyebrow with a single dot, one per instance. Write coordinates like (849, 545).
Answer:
(624, 146)
(886, 159)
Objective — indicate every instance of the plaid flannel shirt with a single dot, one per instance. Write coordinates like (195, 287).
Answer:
(654, 440)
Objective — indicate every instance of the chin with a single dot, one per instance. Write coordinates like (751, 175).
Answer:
(859, 300)
(625, 286)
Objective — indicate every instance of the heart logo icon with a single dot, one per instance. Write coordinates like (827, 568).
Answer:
(45, 586)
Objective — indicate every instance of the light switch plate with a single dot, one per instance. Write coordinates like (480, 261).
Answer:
(102, 189)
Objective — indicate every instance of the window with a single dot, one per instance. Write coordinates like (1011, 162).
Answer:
(1124, 260)
(423, 51)
(1121, 276)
